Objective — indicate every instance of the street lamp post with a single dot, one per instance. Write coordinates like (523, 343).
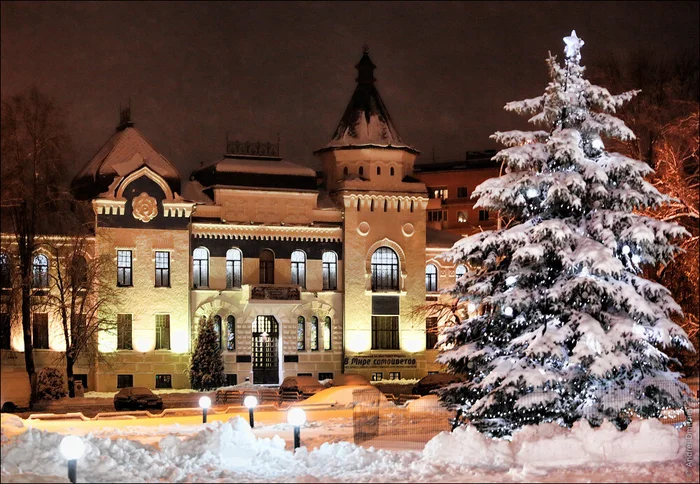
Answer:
(296, 417)
(72, 449)
(205, 403)
(251, 402)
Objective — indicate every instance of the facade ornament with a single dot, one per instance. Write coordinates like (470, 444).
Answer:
(144, 207)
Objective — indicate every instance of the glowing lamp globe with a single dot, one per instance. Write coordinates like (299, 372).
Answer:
(636, 259)
(625, 249)
(508, 311)
(250, 401)
(532, 192)
(296, 417)
(205, 402)
(72, 447)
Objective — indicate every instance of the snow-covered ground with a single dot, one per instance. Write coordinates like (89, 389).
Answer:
(228, 450)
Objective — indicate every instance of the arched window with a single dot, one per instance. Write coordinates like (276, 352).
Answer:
(79, 272)
(314, 333)
(301, 333)
(362, 170)
(431, 273)
(330, 271)
(231, 326)
(391, 171)
(345, 170)
(379, 170)
(5, 272)
(233, 268)
(40, 271)
(460, 271)
(299, 268)
(217, 329)
(200, 267)
(267, 267)
(327, 333)
(385, 270)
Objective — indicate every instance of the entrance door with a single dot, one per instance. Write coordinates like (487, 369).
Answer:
(265, 360)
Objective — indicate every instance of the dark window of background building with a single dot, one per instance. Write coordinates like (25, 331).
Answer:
(164, 381)
(483, 214)
(231, 379)
(124, 381)
(462, 192)
(325, 376)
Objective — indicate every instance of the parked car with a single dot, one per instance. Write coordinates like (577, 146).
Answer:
(432, 382)
(350, 379)
(136, 398)
(301, 384)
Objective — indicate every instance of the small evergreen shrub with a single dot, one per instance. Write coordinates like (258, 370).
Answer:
(50, 384)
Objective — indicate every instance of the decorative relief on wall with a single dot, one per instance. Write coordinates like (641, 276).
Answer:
(408, 230)
(144, 207)
(278, 293)
(363, 228)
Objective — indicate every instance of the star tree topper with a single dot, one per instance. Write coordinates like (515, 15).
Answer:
(573, 44)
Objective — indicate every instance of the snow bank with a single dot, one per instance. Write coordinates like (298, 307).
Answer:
(339, 396)
(549, 445)
(10, 425)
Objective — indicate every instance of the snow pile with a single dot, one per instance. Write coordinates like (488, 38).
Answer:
(10, 425)
(549, 445)
(341, 396)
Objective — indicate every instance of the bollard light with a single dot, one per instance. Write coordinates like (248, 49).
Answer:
(251, 402)
(72, 449)
(205, 403)
(296, 416)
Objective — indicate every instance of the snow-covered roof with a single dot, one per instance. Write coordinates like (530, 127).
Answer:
(126, 151)
(366, 122)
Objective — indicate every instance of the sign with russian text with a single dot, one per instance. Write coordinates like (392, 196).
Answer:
(373, 360)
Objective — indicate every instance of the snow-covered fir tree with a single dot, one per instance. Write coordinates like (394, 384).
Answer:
(561, 325)
(206, 363)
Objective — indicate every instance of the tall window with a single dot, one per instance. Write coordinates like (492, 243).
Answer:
(460, 271)
(231, 326)
(385, 270)
(385, 332)
(5, 274)
(301, 333)
(462, 192)
(431, 273)
(330, 271)
(40, 323)
(124, 332)
(431, 333)
(162, 269)
(162, 331)
(314, 333)
(437, 215)
(79, 272)
(327, 333)
(5, 333)
(200, 267)
(299, 268)
(40, 271)
(267, 267)
(234, 260)
(483, 214)
(391, 171)
(362, 171)
(217, 329)
(124, 268)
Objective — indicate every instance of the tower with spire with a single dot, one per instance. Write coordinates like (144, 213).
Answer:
(369, 169)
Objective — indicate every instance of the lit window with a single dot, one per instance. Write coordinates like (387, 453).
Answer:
(124, 268)
(217, 329)
(431, 273)
(231, 326)
(301, 333)
(5, 274)
(314, 333)
(330, 271)
(437, 192)
(394, 375)
(299, 268)
(462, 217)
(460, 271)
(483, 214)
(162, 269)
(200, 267)
(267, 267)
(162, 331)
(124, 332)
(234, 260)
(385, 270)
(327, 333)
(40, 271)
(377, 376)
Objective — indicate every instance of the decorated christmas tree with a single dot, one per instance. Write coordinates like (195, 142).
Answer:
(206, 364)
(557, 321)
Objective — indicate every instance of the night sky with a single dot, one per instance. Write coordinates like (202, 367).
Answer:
(194, 71)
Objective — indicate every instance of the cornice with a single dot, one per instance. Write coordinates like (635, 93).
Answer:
(267, 232)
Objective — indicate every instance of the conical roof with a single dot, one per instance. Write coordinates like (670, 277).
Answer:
(366, 121)
(126, 151)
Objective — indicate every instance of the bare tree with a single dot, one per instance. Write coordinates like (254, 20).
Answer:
(34, 145)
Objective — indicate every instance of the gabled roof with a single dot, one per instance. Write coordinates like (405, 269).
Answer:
(366, 122)
(126, 151)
